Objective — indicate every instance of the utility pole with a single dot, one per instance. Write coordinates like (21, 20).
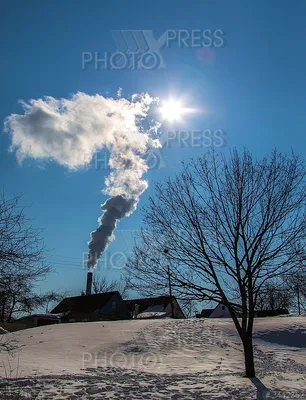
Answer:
(166, 251)
(170, 291)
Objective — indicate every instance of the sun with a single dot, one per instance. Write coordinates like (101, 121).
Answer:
(172, 110)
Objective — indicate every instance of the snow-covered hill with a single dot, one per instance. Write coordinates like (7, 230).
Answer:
(159, 359)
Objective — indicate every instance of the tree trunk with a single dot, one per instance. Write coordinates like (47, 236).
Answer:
(248, 357)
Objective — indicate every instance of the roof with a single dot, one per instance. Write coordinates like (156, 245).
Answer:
(89, 303)
(152, 314)
(206, 312)
(40, 316)
(147, 302)
(154, 304)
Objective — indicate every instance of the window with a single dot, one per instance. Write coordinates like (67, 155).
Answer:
(223, 308)
(114, 305)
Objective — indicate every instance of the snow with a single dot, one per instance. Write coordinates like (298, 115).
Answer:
(159, 359)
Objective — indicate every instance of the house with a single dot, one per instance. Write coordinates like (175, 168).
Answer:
(220, 311)
(271, 313)
(94, 307)
(155, 307)
(205, 313)
(34, 320)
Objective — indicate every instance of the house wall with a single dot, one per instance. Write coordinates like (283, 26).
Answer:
(177, 310)
(120, 312)
(221, 311)
(32, 322)
(14, 326)
(27, 322)
(81, 317)
(44, 321)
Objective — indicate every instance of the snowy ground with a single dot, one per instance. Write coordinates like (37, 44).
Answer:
(159, 359)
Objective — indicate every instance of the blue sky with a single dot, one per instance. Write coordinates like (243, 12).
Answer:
(254, 90)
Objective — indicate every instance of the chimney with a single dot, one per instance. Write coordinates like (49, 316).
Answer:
(89, 283)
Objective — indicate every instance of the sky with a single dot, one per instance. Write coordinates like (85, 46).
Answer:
(252, 89)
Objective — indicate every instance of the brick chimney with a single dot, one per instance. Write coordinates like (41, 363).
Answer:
(89, 283)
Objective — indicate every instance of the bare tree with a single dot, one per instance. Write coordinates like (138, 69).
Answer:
(274, 295)
(149, 273)
(295, 283)
(51, 298)
(189, 307)
(17, 297)
(230, 224)
(22, 261)
(102, 285)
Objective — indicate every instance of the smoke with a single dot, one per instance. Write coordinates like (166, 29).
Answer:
(70, 131)
(114, 209)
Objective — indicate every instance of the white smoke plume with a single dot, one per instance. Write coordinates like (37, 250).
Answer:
(70, 131)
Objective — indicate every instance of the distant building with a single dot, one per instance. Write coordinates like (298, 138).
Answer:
(155, 307)
(271, 313)
(220, 311)
(94, 307)
(34, 320)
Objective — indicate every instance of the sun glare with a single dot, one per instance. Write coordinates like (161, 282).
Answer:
(172, 110)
